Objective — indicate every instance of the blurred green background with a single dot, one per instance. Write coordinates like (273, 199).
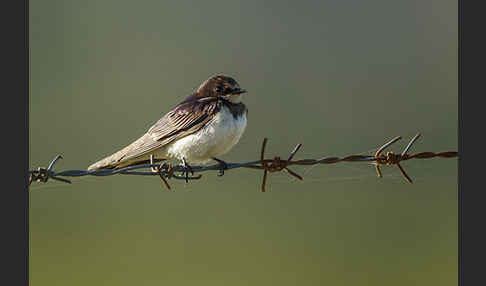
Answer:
(341, 77)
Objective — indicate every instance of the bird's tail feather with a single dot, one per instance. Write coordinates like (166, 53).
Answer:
(109, 162)
(114, 160)
(125, 157)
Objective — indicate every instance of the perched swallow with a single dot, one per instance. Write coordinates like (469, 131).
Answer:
(207, 124)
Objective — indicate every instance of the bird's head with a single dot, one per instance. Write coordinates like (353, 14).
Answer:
(221, 86)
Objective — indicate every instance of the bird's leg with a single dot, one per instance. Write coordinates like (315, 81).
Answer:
(187, 169)
(223, 164)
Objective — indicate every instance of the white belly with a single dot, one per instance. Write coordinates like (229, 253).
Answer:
(215, 139)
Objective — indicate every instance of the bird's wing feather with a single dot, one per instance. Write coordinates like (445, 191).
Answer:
(185, 119)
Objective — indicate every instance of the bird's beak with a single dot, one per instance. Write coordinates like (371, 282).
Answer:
(238, 91)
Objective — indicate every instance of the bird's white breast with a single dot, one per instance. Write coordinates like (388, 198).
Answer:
(213, 140)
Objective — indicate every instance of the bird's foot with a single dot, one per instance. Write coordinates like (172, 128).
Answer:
(223, 164)
(187, 170)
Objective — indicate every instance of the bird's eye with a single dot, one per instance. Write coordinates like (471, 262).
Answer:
(218, 89)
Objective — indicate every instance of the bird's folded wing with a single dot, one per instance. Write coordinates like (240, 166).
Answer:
(185, 119)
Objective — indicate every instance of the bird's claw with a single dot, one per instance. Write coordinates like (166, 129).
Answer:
(187, 169)
(223, 164)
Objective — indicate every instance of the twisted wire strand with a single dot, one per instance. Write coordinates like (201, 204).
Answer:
(167, 171)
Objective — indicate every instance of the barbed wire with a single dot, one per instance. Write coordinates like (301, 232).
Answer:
(167, 171)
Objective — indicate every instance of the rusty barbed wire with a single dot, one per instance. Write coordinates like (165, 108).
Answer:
(167, 171)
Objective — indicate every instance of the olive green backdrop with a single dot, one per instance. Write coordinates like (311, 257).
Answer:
(341, 77)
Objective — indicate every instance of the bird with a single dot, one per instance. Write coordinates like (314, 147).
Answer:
(204, 126)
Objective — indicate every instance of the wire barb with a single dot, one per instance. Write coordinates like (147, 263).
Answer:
(166, 170)
(394, 159)
(43, 174)
(157, 169)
